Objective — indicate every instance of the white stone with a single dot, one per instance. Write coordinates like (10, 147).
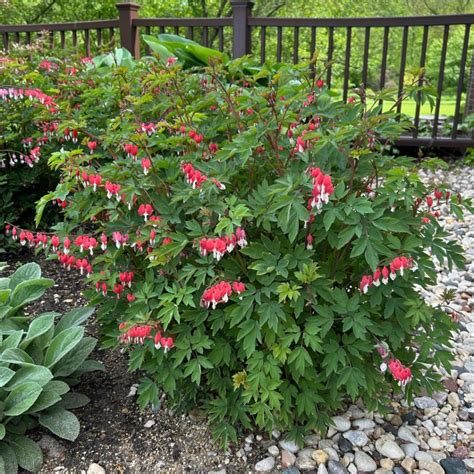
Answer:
(364, 462)
(388, 448)
(265, 465)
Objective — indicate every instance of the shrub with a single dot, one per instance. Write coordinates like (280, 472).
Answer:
(252, 242)
(33, 87)
(39, 362)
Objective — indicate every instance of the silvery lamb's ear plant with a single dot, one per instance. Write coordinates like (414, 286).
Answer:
(39, 361)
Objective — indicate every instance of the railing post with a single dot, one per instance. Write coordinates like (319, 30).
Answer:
(128, 32)
(242, 41)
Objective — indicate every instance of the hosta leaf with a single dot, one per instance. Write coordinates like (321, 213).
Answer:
(21, 398)
(62, 344)
(61, 422)
(28, 454)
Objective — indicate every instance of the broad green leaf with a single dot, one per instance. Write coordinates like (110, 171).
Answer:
(5, 375)
(75, 358)
(74, 400)
(33, 373)
(46, 399)
(21, 398)
(75, 317)
(9, 458)
(62, 344)
(2, 431)
(29, 271)
(57, 386)
(38, 327)
(16, 356)
(61, 422)
(28, 291)
(12, 341)
(28, 454)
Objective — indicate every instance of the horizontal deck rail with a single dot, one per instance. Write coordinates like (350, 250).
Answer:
(347, 65)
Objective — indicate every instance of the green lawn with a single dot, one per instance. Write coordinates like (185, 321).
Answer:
(447, 108)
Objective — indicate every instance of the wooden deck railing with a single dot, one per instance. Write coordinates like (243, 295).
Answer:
(297, 39)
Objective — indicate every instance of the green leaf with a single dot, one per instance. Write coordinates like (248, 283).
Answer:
(62, 344)
(33, 373)
(75, 317)
(21, 398)
(27, 453)
(29, 271)
(2, 431)
(46, 399)
(38, 327)
(359, 247)
(5, 375)
(57, 386)
(75, 358)
(16, 356)
(74, 400)
(61, 422)
(9, 459)
(28, 291)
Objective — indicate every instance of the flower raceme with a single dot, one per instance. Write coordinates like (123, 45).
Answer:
(398, 264)
(220, 293)
(145, 210)
(220, 245)
(399, 372)
(140, 333)
(193, 176)
(322, 188)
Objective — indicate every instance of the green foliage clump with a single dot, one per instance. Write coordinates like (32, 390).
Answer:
(39, 362)
(236, 225)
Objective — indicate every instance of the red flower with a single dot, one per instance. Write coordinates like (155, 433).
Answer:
(216, 294)
(92, 146)
(146, 165)
(320, 84)
(238, 287)
(145, 210)
(399, 372)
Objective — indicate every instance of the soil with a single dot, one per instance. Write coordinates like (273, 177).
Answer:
(113, 432)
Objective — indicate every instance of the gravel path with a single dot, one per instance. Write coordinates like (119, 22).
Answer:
(433, 436)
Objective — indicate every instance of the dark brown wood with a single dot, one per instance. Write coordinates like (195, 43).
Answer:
(462, 70)
(330, 52)
(347, 63)
(383, 66)
(74, 39)
(80, 25)
(263, 41)
(403, 60)
(362, 22)
(176, 30)
(205, 36)
(62, 35)
(99, 37)
(220, 32)
(365, 61)
(190, 32)
(442, 64)
(5, 40)
(87, 42)
(424, 45)
(185, 22)
(242, 41)
(17, 37)
(296, 44)
(279, 42)
(28, 37)
(111, 37)
(128, 12)
(312, 45)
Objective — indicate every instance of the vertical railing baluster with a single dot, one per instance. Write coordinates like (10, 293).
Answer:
(401, 77)
(312, 45)
(442, 64)
(190, 33)
(365, 65)
(88, 42)
(74, 39)
(424, 45)
(279, 41)
(330, 52)
(17, 37)
(347, 63)
(263, 40)
(221, 38)
(51, 39)
(162, 30)
(176, 30)
(462, 68)
(111, 37)
(205, 36)
(147, 32)
(383, 66)
(62, 37)
(28, 38)
(99, 37)
(5, 41)
(296, 44)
